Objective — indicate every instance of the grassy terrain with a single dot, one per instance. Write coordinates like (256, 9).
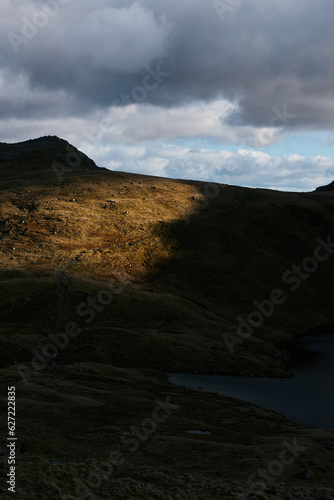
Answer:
(154, 273)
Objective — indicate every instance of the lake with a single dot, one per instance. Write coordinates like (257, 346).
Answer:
(308, 398)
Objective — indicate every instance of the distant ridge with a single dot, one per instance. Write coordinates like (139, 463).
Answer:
(39, 156)
(329, 187)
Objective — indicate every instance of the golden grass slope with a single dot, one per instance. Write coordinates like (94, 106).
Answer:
(189, 265)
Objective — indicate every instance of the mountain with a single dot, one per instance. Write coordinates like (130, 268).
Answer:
(110, 279)
(38, 158)
(329, 187)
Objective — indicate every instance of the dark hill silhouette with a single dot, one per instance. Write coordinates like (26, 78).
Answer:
(328, 187)
(40, 158)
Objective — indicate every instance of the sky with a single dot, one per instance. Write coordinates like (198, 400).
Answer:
(228, 91)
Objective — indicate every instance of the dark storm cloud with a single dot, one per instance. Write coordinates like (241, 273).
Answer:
(274, 58)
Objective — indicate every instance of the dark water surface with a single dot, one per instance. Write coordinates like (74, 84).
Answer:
(308, 398)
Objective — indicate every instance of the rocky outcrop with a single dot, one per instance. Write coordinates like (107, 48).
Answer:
(37, 157)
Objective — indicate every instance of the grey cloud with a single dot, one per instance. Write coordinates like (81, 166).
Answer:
(262, 55)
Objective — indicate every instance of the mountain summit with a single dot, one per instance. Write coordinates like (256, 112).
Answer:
(38, 156)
